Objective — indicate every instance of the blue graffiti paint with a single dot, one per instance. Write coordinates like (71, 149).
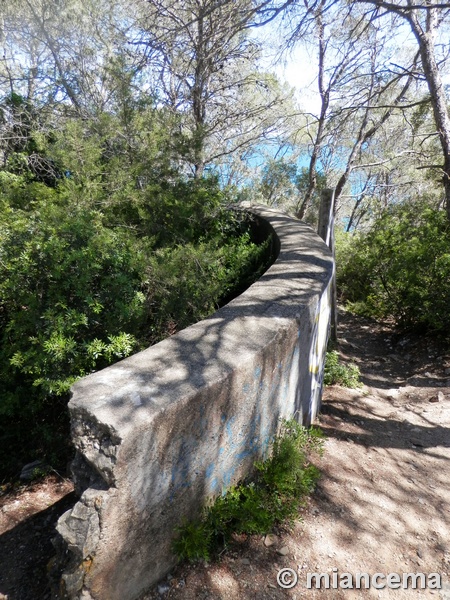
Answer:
(210, 470)
(213, 486)
(236, 445)
(246, 388)
(229, 430)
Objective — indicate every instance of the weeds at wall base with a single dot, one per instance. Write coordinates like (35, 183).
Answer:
(274, 496)
(336, 373)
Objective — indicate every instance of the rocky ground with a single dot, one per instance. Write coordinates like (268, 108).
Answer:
(28, 514)
(382, 504)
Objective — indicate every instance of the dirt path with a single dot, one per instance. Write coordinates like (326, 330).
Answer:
(382, 505)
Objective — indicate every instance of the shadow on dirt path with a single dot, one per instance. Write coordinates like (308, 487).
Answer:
(27, 520)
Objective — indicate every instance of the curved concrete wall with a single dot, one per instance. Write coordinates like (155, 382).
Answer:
(161, 432)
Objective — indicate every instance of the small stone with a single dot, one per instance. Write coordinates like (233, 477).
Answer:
(440, 397)
(270, 540)
(417, 444)
(284, 551)
(419, 553)
(433, 399)
(163, 588)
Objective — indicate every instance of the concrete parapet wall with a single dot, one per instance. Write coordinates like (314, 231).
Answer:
(161, 432)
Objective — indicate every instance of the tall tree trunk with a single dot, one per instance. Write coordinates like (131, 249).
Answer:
(198, 102)
(437, 95)
(424, 33)
(365, 135)
(54, 52)
(325, 102)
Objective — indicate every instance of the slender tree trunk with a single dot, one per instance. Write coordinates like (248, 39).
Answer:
(325, 101)
(424, 33)
(198, 103)
(437, 94)
(365, 135)
(51, 46)
(354, 212)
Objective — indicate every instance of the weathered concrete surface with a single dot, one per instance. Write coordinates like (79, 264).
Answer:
(161, 432)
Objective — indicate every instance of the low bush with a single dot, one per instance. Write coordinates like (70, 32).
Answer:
(400, 268)
(336, 373)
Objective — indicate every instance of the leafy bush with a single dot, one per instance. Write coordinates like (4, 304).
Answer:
(400, 268)
(186, 283)
(71, 302)
(94, 268)
(275, 495)
(335, 373)
(194, 541)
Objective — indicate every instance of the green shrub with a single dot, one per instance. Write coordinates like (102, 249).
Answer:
(400, 268)
(117, 253)
(194, 541)
(77, 294)
(335, 373)
(274, 496)
(186, 283)
(71, 302)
